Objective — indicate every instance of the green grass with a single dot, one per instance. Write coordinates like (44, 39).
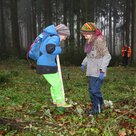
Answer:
(27, 109)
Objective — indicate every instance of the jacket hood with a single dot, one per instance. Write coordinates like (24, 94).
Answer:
(50, 30)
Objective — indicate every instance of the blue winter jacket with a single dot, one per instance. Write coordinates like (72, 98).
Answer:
(50, 47)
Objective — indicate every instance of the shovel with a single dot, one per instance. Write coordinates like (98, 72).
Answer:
(60, 74)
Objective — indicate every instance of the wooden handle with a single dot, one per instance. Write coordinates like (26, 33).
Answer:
(60, 73)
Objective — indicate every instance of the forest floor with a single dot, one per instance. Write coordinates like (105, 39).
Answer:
(26, 107)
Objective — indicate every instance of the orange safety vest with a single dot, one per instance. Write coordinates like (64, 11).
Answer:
(126, 50)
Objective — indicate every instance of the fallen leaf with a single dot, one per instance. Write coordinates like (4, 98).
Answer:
(135, 131)
(59, 117)
(121, 133)
(7, 98)
(3, 133)
(72, 132)
(27, 117)
(132, 116)
(18, 120)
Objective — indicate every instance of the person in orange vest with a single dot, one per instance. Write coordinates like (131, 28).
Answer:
(126, 53)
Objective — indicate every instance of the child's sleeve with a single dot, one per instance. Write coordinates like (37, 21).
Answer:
(105, 62)
(84, 62)
(53, 47)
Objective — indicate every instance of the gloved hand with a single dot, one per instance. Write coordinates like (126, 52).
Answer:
(83, 67)
(101, 75)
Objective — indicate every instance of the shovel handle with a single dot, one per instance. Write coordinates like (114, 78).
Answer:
(60, 73)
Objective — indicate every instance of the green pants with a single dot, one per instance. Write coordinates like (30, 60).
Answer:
(56, 87)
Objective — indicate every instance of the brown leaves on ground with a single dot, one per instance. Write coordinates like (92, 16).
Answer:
(122, 133)
(13, 124)
(72, 132)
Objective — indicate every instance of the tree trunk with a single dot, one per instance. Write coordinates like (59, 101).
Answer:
(47, 12)
(114, 27)
(90, 10)
(65, 7)
(78, 28)
(110, 29)
(127, 21)
(134, 32)
(71, 25)
(2, 30)
(34, 18)
(15, 30)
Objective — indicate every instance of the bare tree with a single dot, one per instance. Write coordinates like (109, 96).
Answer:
(34, 17)
(2, 29)
(15, 30)
(134, 32)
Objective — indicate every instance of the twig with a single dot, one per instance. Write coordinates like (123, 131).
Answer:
(125, 113)
(107, 126)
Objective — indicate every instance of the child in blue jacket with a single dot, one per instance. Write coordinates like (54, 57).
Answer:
(46, 63)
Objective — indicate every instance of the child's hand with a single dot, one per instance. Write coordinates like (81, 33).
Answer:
(101, 75)
(83, 67)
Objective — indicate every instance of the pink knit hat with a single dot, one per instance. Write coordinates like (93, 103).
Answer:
(62, 30)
